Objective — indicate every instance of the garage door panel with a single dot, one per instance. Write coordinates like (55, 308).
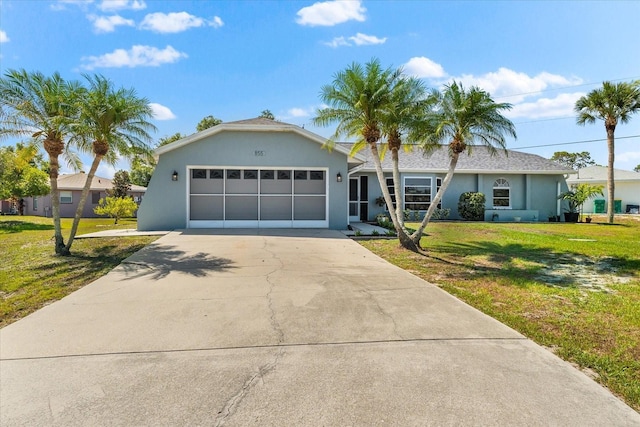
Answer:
(275, 186)
(275, 208)
(309, 207)
(241, 208)
(207, 207)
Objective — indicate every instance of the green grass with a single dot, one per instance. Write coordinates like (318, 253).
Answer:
(497, 269)
(32, 276)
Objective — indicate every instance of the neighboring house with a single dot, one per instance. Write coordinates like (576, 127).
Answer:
(627, 189)
(70, 187)
(263, 173)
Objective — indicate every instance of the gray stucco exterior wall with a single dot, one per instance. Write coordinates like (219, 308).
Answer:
(164, 206)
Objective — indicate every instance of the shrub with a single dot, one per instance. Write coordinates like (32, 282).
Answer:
(441, 213)
(471, 206)
(116, 207)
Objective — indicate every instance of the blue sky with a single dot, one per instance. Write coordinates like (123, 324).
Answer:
(233, 59)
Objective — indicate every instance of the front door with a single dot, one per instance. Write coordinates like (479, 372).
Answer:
(358, 199)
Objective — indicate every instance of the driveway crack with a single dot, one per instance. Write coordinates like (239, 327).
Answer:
(384, 313)
(232, 404)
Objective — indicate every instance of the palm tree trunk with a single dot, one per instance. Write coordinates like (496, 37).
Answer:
(396, 186)
(82, 201)
(417, 235)
(54, 166)
(610, 173)
(403, 236)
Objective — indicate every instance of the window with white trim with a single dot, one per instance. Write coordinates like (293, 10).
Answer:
(501, 194)
(438, 185)
(66, 197)
(417, 194)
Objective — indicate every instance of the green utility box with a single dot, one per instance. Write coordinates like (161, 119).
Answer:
(617, 206)
(599, 206)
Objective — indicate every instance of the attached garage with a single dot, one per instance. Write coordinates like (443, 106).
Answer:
(258, 198)
(256, 173)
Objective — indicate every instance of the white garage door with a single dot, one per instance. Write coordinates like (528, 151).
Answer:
(257, 198)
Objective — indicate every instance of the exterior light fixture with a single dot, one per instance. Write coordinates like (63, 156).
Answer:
(339, 177)
(174, 176)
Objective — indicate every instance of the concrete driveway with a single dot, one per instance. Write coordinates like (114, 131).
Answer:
(280, 328)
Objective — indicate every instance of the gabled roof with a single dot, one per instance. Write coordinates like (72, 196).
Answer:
(76, 181)
(258, 124)
(480, 161)
(599, 174)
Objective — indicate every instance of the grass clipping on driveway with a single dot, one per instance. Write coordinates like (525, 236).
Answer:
(32, 276)
(574, 288)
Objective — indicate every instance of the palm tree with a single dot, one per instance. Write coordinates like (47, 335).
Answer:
(45, 109)
(613, 103)
(359, 100)
(112, 122)
(463, 118)
(409, 104)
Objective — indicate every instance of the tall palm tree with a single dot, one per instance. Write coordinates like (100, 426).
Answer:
(359, 100)
(408, 109)
(113, 122)
(463, 119)
(45, 109)
(613, 103)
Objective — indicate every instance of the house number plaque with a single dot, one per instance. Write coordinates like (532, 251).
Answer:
(259, 153)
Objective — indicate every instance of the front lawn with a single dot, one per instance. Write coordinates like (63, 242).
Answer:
(574, 288)
(31, 276)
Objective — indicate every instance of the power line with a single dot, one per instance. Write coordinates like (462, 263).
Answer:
(574, 142)
(545, 120)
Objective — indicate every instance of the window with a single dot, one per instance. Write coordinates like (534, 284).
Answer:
(501, 194)
(216, 174)
(199, 174)
(250, 174)
(233, 174)
(95, 197)
(316, 175)
(417, 194)
(300, 175)
(66, 197)
(284, 174)
(392, 192)
(438, 185)
(267, 174)
(35, 203)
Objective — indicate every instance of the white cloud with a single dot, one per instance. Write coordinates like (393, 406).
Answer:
(337, 42)
(359, 40)
(160, 112)
(4, 38)
(514, 85)
(105, 170)
(108, 24)
(561, 105)
(362, 39)
(299, 112)
(113, 5)
(216, 22)
(137, 56)
(176, 22)
(330, 13)
(62, 4)
(423, 67)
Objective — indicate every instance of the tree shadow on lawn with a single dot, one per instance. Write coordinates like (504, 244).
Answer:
(516, 262)
(159, 261)
(20, 226)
